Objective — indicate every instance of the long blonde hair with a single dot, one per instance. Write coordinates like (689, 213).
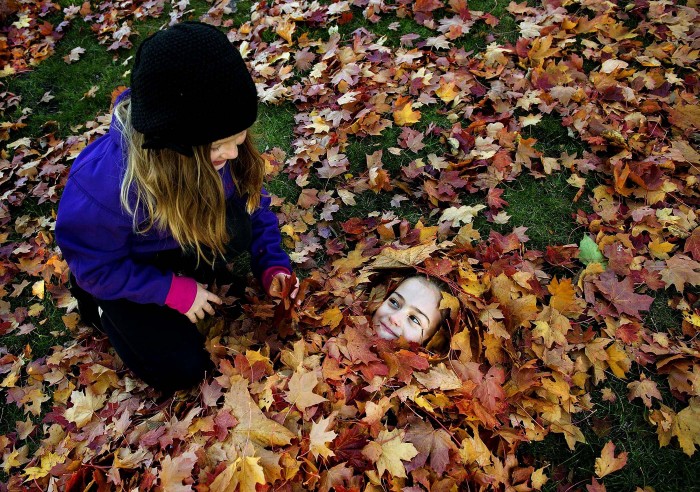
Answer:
(184, 195)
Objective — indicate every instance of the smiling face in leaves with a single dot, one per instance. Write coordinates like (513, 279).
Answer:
(411, 311)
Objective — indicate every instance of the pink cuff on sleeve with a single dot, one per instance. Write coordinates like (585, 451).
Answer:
(181, 294)
(270, 273)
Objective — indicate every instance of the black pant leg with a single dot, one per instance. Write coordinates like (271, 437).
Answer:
(87, 306)
(160, 345)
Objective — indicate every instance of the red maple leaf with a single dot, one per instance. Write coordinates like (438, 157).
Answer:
(621, 294)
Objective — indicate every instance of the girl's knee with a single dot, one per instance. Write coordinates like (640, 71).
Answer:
(181, 371)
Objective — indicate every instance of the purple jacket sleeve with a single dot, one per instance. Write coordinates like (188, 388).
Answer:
(95, 241)
(266, 249)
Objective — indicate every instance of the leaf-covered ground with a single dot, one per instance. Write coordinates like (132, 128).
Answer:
(541, 158)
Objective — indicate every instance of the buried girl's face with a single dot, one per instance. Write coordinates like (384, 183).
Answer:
(411, 311)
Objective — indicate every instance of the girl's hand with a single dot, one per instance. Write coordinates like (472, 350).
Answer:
(279, 282)
(201, 304)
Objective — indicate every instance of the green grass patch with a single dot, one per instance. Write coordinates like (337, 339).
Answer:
(275, 127)
(661, 316)
(545, 207)
(553, 137)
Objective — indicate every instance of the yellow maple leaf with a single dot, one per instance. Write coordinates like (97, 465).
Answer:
(549, 336)
(48, 461)
(85, 404)
(38, 289)
(660, 249)
(564, 297)
(617, 360)
(7, 70)
(608, 462)
(252, 423)
(244, 472)
(388, 451)
(175, 469)
(350, 262)
(572, 434)
(447, 92)
(319, 436)
(23, 21)
(474, 450)
(285, 29)
(401, 258)
(450, 302)
(405, 116)
(539, 479)
(332, 317)
(686, 427)
(301, 386)
(541, 49)
(439, 377)
(15, 458)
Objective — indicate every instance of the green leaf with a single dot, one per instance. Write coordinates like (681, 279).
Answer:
(589, 252)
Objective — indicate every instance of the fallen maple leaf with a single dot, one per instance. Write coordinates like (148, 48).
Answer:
(401, 258)
(301, 386)
(175, 469)
(681, 270)
(252, 421)
(319, 436)
(439, 377)
(85, 404)
(243, 472)
(432, 443)
(405, 115)
(388, 451)
(645, 389)
(74, 55)
(621, 294)
(608, 462)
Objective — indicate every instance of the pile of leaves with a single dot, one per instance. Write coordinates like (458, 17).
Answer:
(306, 397)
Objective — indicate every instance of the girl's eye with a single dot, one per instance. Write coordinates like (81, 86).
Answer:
(393, 302)
(414, 319)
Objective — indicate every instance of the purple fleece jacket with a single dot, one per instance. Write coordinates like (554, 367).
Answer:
(110, 261)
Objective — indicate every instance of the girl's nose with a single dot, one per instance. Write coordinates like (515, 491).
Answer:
(229, 151)
(395, 319)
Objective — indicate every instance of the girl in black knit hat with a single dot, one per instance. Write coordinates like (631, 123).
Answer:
(152, 209)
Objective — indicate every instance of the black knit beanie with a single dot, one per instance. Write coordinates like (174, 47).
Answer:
(189, 87)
